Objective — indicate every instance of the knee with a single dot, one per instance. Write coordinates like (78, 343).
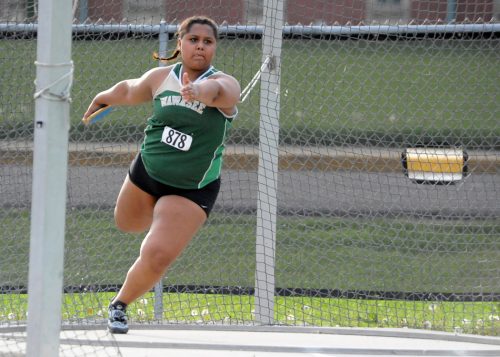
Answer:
(129, 224)
(126, 226)
(158, 258)
(122, 224)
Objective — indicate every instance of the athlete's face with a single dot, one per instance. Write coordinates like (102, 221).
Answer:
(198, 47)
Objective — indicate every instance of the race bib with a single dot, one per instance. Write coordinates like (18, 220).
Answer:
(176, 139)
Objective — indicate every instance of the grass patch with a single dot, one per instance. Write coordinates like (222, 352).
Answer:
(385, 93)
(474, 317)
(311, 253)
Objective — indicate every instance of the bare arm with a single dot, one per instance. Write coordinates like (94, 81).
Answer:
(222, 91)
(127, 92)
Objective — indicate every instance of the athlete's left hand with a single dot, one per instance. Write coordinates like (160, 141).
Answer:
(189, 90)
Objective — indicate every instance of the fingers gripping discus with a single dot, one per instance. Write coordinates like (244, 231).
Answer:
(98, 115)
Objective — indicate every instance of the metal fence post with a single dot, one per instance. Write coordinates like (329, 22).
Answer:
(158, 289)
(268, 163)
(54, 77)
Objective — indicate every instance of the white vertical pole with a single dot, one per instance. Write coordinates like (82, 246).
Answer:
(158, 289)
(53, 82)
(268, 163)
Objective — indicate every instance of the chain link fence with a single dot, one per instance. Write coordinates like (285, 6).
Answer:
(326, 215)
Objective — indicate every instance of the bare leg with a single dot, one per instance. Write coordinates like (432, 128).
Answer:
(134, 208)
(175, 221)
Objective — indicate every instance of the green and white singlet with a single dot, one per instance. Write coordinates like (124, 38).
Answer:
(184, 141)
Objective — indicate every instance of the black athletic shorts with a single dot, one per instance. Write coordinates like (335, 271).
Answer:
(204, 197)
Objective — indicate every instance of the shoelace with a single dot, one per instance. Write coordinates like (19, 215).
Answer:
(118, 315)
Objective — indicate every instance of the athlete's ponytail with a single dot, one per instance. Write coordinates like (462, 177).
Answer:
(174, 55)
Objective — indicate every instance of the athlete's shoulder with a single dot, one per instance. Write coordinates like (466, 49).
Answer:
(220, 74)
(159, 71)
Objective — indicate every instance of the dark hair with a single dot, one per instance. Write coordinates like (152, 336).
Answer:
(184, 28)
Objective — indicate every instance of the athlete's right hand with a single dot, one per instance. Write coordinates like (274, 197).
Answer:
(189, 90)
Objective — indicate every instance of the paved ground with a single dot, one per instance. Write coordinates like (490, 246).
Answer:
(207, 341)
(342, 181)
(241, 157)
(337, 192)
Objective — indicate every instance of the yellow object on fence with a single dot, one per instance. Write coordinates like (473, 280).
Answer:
(434, 165)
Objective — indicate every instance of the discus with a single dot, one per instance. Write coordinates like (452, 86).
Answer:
(99, 114)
